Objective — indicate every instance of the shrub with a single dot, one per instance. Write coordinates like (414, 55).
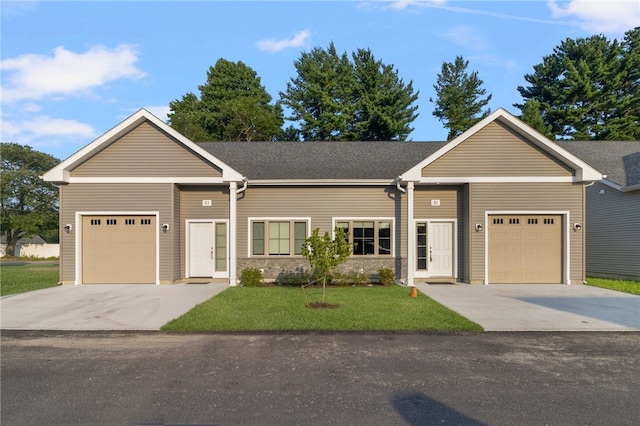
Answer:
(386, 276)
(294, 278)
(251, 277)
(351, 278)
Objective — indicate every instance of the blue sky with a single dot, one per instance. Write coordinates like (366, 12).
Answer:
(72, 70)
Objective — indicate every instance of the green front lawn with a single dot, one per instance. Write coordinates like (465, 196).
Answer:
(626, 286)
(373, 308)
(34, 276)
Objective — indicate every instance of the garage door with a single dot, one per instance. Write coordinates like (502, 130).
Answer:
(119, 249)
(525, 249)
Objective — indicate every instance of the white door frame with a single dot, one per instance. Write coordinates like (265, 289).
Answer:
(454, 246)
(187, 247)
(566, 238)
(78, 237)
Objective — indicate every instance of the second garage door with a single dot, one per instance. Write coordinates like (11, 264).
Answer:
(119, 249)
(525, 249)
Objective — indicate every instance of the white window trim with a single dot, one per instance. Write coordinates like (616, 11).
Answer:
(454, 245)
(250, 220)
(78, 237)
(389, 219)
(187, 247)
(566, 235)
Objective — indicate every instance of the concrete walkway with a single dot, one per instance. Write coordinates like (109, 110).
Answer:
(540, 307)
(102, 307)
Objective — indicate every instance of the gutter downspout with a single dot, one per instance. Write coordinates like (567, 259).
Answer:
(245, 182)
(233, 229)
(584, 235)
(410, 229)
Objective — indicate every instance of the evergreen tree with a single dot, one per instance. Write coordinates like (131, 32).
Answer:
(233, 106)
(383, 104)
(320, 97)
(460, 101)
(588, 88)
(333, 98)
(531, 115)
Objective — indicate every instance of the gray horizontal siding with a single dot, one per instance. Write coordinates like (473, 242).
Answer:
(322, 204)
(423, 209)
(525, 197)
(495, 151)
(145, 152)
(613, 232)
(115, 198)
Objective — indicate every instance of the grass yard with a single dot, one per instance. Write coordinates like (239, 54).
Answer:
(374, 308)
(626, 286)
(33, 276)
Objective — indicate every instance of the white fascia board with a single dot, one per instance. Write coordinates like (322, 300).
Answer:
(495, 179)
(621, 188)
(320, 182)
(583, 172)
(116, 179)
(60, 173)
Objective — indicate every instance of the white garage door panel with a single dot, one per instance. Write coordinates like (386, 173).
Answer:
(119, 249)
(525, 249)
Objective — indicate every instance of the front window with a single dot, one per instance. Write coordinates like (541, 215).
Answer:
(369, 237)
(278, 237)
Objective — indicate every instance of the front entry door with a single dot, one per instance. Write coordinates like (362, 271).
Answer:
(435, 249)
(208, 255)
(441, 249)
(201, 249)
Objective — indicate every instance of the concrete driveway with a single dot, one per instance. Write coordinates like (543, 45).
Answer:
(540, 307)
(102, 307)
(495, 307)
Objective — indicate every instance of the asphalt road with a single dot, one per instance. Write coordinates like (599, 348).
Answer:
(320, 379)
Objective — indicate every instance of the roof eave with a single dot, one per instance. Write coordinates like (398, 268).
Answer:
(61, 173)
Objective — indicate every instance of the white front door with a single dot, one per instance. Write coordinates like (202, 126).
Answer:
(441, 249)
(201, 256)
(435, 251)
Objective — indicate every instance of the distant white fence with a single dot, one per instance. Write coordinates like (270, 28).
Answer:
(33, 250)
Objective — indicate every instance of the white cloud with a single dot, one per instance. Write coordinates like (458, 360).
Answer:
(33, 76)
(466, 36)
(44, 131)
(298, 39)
(600, 16)
(404, 4)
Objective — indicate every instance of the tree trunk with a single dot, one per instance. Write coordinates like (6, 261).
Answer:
(12, 240)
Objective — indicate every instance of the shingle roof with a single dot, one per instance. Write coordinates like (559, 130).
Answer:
(619, 160)
(321, 160)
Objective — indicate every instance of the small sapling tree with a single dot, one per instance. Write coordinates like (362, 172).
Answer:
(325, 254)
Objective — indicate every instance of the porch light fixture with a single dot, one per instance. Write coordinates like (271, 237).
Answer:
(68, 228)
(577, 226)
(165, 227)
(478, 227)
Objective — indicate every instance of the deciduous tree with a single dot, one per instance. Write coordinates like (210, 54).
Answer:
(29, 205)
(233, 106)
(325, 254)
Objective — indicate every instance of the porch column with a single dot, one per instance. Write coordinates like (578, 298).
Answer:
(233, 215)
(411, 236)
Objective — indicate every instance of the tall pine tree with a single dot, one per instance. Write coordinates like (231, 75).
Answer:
(460, 97)
(588, 88)
(335, 98)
